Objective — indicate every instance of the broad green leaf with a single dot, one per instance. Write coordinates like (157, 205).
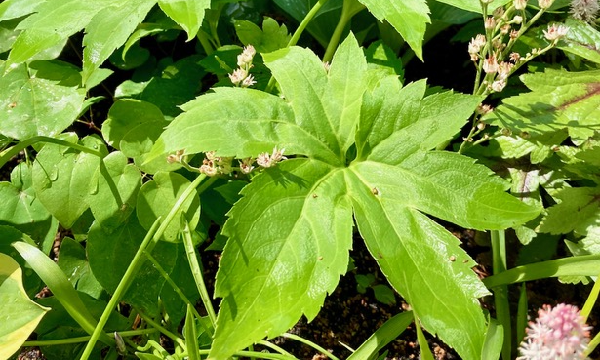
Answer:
(109, 30)
(110, 253)
(41, 99)
(132, 125)
(559, 99)
(157, 197)
(61, 179)
(170, 85)
(114, 189)
(22, 209)
(368, 152)
(20, 314)
(54, 21)
(187, 13)
(9, 235)
(272, 36)
(301, 211)
(73, 262)
(248, 115)
(474, 6)
(578, 209)
(408, 17)
(405, 243)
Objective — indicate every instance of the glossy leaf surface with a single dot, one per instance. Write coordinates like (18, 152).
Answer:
(368, 153)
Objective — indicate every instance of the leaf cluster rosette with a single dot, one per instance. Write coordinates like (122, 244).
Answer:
(359, 145)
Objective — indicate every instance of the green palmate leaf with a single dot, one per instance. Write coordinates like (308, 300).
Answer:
(54, 21)
(408, 17)
(559, 100)
(109, 29)
(41, 98)
(187, 13)
(368, 153)
(158, 196)
(114, 190)
(61, 178)
(307, 223)
(272, 36)
(23, 210)
(20, 314)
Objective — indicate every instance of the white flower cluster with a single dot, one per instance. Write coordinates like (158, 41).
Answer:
(218, 165)
(241, 76)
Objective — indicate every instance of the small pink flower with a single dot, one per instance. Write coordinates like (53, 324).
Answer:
(558, 333)
(555, 32)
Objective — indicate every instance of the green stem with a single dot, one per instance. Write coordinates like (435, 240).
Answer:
(7, 154)
(311, 344)
(590, 301)
(274, 347)
(152, 237)
(123, 334)
(501, 292)
(294, 40)
(176, 288)
(162, 329)
(349, 9)
(204, 42)
(190, 252)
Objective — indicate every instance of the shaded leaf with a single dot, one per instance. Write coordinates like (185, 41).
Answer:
(270, 38)
(73, 262)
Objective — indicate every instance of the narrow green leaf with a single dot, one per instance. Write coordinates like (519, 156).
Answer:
(41, 99)
(425, 351)
(388, 332)
(493, 341)
(20, 314)
(187, 13)
(61, 179)
(54, 21)
(191, 337)
(60, 286)
(109, 30)
(300, 208)
(408, 17)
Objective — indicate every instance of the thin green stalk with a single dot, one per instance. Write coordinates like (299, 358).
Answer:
(294, 40)
(150, 240)
(7, 154)
(123, 334)
(274, 347)
(120, 290)
(349, 9)
(590, 301)
(176, 289)
(501, 292)
(162, 329)
(190, 252)
(591, 346)
(311, 344)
